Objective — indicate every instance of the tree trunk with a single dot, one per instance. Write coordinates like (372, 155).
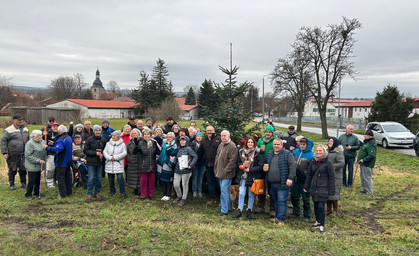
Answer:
(323, 120)
(299, 120)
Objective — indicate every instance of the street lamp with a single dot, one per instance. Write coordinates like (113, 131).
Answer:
(338, 124)
(263, 96)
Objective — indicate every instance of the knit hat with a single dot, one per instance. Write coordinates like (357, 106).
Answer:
(105, 121)
(148, 119)
(269, 128)
(369, 132)
(96, 127)
(158, 128)
(199, 134)
(77, 125)
(298, 138)
(117, 133)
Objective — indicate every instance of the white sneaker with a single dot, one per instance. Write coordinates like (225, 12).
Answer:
(316, 225)
(163, 198)
(195, 194)
(50, 186)
(321, 229)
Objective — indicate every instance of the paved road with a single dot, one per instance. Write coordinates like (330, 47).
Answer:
(332, 132)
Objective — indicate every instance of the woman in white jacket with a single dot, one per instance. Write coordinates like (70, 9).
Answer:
(114, 153)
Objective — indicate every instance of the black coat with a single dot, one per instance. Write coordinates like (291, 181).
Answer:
(91, 146)
(208, 150)
(133, 169)
(320, 178)
(255, 172)
(148, 161)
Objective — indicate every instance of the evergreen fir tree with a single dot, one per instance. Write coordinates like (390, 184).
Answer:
(207, 100)
(190, 97)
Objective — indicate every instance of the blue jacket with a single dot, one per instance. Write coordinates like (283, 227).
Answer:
(107, 133)
(302, 160)
(286, 165)
(63, 150)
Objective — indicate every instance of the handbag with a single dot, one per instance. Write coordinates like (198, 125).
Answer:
(258, 186)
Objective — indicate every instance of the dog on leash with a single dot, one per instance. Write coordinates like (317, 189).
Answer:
(234, 194)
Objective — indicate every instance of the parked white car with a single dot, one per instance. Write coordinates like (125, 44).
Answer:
(391, 134)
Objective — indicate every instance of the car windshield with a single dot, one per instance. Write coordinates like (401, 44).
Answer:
(394, 128)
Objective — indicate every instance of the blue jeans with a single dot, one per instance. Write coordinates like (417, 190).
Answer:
(120, 179)
(242, 195)
(280, 197)
(225, 185)
(94, 178)
(211, 180)
(350, 163)
(197, 176)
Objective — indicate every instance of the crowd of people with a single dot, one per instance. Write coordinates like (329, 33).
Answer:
(142, 156)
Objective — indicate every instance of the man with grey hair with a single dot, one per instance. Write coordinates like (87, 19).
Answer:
(87, 130)
(63, 155)
(351, 144)
(225, 169)
(13, 147)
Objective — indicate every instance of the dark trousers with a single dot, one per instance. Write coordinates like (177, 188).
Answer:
(319, 211)
(34, 179)
(120, 179)
(14, 163)
(63, 175)
(167, 187)
(349, 162)
(212, 181)
(296, 194)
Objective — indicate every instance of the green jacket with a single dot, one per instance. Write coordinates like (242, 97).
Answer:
(351, 140)
(368, 153)
(34, 154)
(268, 146)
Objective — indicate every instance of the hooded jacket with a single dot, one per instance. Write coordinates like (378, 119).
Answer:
(302, 160)
(118, 150)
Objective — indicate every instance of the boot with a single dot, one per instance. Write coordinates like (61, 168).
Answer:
(238, 214)
(249, 214)
(335, 206)
(329, 208)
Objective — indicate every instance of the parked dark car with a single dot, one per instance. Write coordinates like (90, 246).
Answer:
(416, 144)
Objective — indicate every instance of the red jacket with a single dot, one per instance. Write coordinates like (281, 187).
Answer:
(125, 138)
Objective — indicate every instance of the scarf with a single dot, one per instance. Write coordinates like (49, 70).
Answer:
(247, 155)
(163, 156)
(266, 141)
(320, 158)
(149, 143)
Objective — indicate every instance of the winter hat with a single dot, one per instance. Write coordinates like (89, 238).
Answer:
(78, 125)
(336, 143)
(298, 138)
(96, 127)
(105, 121)
(369, 132)
(199, 134)
(278, 134)
(158, 128)
(182, 138)
(117, 133)
(148, 119)
(269, 128)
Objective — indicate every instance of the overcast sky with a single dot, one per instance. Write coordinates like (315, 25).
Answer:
(41, 40)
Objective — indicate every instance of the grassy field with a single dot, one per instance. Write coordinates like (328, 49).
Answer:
(385, 223)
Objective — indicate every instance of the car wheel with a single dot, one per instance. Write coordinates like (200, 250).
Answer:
(417, 151)
(385, 143)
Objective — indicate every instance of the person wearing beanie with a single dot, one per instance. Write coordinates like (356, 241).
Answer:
(114, 153)
(265, 144)
(198, 172)
(78, 130)
(149, 123)
(169, 124)
(132, 122)
(106, 130)
(366, 159)
(338, 160)
(289, 138)
(93, 149)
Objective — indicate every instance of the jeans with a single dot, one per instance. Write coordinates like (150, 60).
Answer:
(197, 176)
(350, 163)
(366, 180)
(296, 194)
(211, 181)
(94, 177)
(279, 197)
(225, 185)
(319, 211)
(34, 179)
(120, 179)
(242, 195)
(185, 184)
(64, 179)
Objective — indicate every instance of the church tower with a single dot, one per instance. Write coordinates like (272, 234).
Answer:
(97, 87)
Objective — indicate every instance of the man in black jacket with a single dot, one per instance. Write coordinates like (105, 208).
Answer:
(169, 125)
(208, 151)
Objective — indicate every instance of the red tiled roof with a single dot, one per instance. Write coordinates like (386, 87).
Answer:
(103, 103)
(337, 100)
(181, 103)
(358, 103)
(124, 99)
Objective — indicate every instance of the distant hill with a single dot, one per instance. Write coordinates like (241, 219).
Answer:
(28, 89)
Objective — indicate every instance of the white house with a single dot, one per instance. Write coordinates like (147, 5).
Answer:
(97, 108)
(311, 108)
(190, 112)
(358, 109)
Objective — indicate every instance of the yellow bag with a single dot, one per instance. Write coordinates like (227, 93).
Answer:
(258, 186)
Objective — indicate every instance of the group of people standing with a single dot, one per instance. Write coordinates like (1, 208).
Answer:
(140, 156)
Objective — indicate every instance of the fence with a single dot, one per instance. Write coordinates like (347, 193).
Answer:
(38, 115)
(358, 123)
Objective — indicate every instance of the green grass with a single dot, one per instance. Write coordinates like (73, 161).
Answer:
(384, 223)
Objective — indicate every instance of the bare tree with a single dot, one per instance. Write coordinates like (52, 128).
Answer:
(79, 84)
(113, 87)
(328, 52)
(63, 87)
(271, 102)
(168, 107)
(6, 81)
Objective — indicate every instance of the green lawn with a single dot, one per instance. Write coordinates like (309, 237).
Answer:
(382, 224)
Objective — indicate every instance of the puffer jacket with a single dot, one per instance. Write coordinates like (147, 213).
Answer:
(33, 155)
(320, 178)
(63, 150)
(226, 161)
(186, 150)
(338, 159)
(208, 149)
(91, 146)
(148, 161)
(118, 150)
(13, 140)
(302, 160)
(133, 169)
(255, 171)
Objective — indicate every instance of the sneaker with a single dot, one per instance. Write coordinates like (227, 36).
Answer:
(12, 187)
(199, 195)
(316, 225)
(249, 214)
(321, 229)
(273, 219)
(29, 197)
(238, 214)
(37, 195)
(89, 197)
(23, 185)
(182, 202)
(211, 202)
(280, 223)
(177, 200)
(163, 198)
(221, 214)
(98, 196)
(195, 194)
(50, 186)
(142, 198)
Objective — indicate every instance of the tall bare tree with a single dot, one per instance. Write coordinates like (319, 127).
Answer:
(113, 87)
(329, 52)
(79, 84)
